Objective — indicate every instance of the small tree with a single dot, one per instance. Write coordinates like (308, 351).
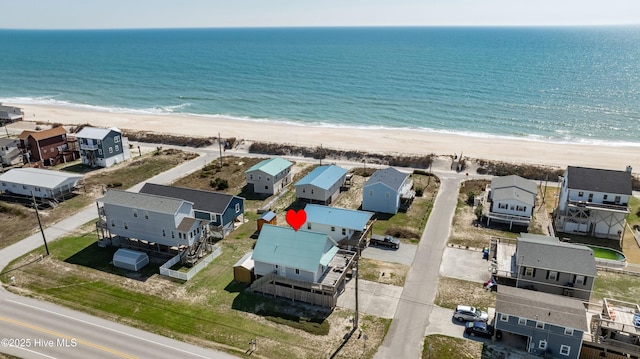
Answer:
(478, 212)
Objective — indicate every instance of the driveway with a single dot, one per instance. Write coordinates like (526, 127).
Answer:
(402, 255)
(441, 322)
(464, 264)
(374, 298)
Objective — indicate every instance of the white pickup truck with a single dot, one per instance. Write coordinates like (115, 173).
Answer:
(385, 241)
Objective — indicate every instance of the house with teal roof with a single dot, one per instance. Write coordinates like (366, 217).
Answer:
(269, 176)
(300, 265)
(322, 185)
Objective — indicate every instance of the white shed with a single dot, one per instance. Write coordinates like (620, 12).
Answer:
(129, 259)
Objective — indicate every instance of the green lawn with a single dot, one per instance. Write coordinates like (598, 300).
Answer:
(444, 347)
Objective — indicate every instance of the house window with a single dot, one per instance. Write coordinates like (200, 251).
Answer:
(51, 149)
(135, 214)
(617, 199)
(565, 349)
(276, 266)
(312, 191)
(164, 234)
(24, 187)
(146, 215)
(113, 223)
(173, 235)
(117, 148)
(568, 331)
(259, 177)
(297, 271)
(266, 187)
(126, 226)
(44, 150)
(504, 317)
(529, 272)
(308, 225)
(116, 139)
(333, 229)
(605, 197)
(251, 176)
(110, 149)
(237, 207)
(37, 189)
(180, 235)
(542, 344)
(268, 179)
(344, 231)
(540, 325)
(522, 321)
(386, 195)
(100, 151)
(503, 206)
(580, 279)
(371, 193)
(304, 191)
(580, 194)
(590, 197)
(552, 275)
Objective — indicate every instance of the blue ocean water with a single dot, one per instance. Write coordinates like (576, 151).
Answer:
(567, 84)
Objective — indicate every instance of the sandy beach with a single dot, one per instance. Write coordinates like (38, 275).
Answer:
(370, 140)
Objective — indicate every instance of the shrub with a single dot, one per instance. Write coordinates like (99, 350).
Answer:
(114, 184)
(219, 184)
(478, 212)
(419, 191)
(400, 232)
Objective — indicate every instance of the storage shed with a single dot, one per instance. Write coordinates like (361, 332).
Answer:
(129, 259)
(243, 269)
(268, 217)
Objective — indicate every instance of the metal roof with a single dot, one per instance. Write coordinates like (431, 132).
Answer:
(599, 180)
(213, 202)
(390, 177)
(245, 261)
(267, 216)
(294, 249)
(271, 166)
(142, 201)
(540, 251)
(544, 307)
(514, 181)
(323, 177)
(44, 134)
(39, 177)
(339, 217)
(500, 194)
(95, 133)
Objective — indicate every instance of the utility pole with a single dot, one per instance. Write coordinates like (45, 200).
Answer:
(220, 148)
(35, 205)
(355, 320)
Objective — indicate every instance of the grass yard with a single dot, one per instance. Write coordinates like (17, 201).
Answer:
(210, 310)
(452, 292)
(19, 221)
(616, 285)
(443, 347)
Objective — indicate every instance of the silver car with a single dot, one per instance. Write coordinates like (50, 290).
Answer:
(469, 314)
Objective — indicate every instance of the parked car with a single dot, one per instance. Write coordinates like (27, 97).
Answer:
(385, 241)
(469, 314)
(481, 329)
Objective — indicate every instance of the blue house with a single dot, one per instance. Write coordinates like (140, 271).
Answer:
(386, 190)
(269, 176)
(220, 210)
(322, 185)
(102, 147)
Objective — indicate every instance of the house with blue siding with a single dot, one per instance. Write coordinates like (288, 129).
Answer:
(322, 185)
(546, 324)
(386, 190)
(220, 210)
(341, 224)
(269, 176)
(102, 147)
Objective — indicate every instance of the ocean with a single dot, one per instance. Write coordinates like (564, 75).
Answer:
(556, 84)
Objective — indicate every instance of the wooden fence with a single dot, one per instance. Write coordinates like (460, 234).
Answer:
(165, 269)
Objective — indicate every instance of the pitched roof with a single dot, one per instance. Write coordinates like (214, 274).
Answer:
(271, 166)
(267, 216)
(501, 194)
(539, 251)
(44, 134)
(142, 201)
(599, 180)
(95, 133)
(8, 141)
(214, 202)
(323, 177)
(38, 177)
(514, 181)
(339, 217)
(390, 177)
(302, 249)
(545, 307)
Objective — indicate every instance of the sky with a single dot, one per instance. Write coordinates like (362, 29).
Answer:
(128, 14)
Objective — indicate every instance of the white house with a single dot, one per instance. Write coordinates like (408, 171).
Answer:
(385, 190)
(322, 185)
(269, 176)
(42, 183)
(10, 154)
(594, 202)
(162, 220)
(102, 147)
(510, 199)
(338, 223)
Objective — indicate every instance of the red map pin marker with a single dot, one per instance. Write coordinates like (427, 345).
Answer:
(296, 219)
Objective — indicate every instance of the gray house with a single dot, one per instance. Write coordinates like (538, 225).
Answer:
(102, 147)
(385, 190)
(9, 152)
(510, 199)
(10, 114)
(269, 176)
(322, 185)
(594, 202)
(344, 226)
(219, 210)
(547, 324)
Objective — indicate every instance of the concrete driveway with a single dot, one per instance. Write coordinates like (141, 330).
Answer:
(464, 264)
(402, 255)
(441, 322)
(374, 298)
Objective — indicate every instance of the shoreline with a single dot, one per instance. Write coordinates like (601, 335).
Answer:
(387, 141)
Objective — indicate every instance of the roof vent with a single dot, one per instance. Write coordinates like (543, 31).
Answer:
(628, 169)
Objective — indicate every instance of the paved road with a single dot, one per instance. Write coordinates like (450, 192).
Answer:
(44, 326)
(405, 337)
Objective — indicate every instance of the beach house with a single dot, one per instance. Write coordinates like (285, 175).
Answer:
(42, 183)
(220, 211)
(544, 264)
(510, 199)
(541, 323)
(593, 202)
(102, 147)
(9, 152)
(269, 176)
(47, 147)
(322, 185)
(347, 227)
(300, 265)
(386, 190)
(9, 114)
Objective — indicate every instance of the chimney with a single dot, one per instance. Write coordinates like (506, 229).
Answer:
(628, 170)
